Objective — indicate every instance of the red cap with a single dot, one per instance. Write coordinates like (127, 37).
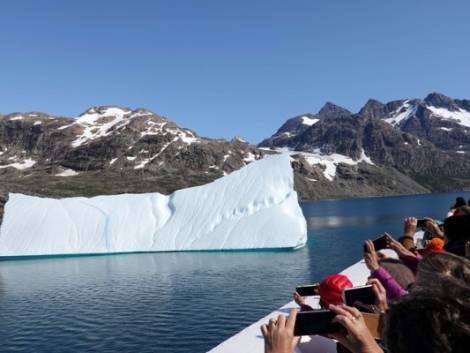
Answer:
(331, 289)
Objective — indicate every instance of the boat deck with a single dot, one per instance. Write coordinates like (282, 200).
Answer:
(251, 340)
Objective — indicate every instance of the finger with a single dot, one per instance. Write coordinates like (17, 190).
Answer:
(344, 321)
(272, 324)
(296, 341)
(338, 309)
(377, 287)
(291, 319)
(369, 246)
(340, 337)
(264, 330)
(375, 290)
(352, 311)
(281, 321)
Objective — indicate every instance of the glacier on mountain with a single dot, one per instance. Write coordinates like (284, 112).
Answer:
(254, 207)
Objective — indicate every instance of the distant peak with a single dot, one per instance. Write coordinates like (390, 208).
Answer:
(438, 100)
(239, 139)
(331, 109)
(373, 108)
(106, 109)
(373, 103)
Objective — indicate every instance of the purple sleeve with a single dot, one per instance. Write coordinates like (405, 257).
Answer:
(394, 290)
(305, 307)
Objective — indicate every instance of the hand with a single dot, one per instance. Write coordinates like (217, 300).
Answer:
(357, 338)
(433, 228)
(380, 294)
(401, 251)
(370, 256)
(279, 334)
(299, 299)
(410, 226)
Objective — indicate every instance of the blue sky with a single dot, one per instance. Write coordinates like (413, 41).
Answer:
(226, 68)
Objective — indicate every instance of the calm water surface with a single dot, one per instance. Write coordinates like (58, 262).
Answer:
(183, 302)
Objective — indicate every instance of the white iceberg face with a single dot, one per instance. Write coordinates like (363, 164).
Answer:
(254, 207)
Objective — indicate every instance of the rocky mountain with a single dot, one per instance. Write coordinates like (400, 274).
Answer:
(109, 150)
(400, 147)
(424, 141)
(442, 120)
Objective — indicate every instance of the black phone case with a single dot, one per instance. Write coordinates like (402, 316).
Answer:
(316, 322)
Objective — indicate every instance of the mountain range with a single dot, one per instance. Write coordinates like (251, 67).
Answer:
(401, 147)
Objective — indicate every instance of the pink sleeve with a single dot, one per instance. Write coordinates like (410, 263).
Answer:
(394, 290)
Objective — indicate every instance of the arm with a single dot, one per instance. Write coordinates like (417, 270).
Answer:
(393, 289)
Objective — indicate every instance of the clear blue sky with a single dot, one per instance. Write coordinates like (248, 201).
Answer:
(226, 68)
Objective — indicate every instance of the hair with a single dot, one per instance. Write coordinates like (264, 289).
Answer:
(399, 271)
(445, 268)
(459, 201)
(462, 210)
(425, 322)
(457, 231)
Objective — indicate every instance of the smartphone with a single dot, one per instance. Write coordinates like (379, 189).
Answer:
(308, 290)
(379, 243)
(316, 322)
(421, 223)
(362, 294)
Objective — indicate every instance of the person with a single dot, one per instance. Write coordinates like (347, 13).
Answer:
(433, 318)
(461, 211)
(279, 334)
(330, 291)
(457, 232)
(393, 289)
(442, 266)
(435, 244)
(426, 322)
(459, 201)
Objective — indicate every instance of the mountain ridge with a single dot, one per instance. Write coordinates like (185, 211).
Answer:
(400, 147)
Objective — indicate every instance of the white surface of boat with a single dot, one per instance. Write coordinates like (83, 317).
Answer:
(251, 340)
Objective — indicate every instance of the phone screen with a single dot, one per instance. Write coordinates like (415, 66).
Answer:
(363, 294)
(307, 290)
(379, 243)
(421, 223)
(317, 322)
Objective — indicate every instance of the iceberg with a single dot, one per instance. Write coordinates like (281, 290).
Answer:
(253, 208)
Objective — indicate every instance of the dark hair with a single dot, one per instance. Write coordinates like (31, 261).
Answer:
(459, 201)
(462, 210)
(423, 322)
(444, 268)
(457, 231)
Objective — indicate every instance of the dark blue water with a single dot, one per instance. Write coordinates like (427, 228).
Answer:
(183, 302)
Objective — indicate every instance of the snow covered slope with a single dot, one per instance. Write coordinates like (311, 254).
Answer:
(254, 207)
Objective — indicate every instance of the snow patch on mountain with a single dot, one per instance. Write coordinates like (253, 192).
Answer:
(461, 116)
(402, 114)
(331, 161)
(96, 124)
(20, 165)
(67, 173)
(309, 121)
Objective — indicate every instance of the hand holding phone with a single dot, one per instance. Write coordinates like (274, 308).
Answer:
(379, 243)
(308, 290)
(316, 322)
(421, 223)
(361, 294)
